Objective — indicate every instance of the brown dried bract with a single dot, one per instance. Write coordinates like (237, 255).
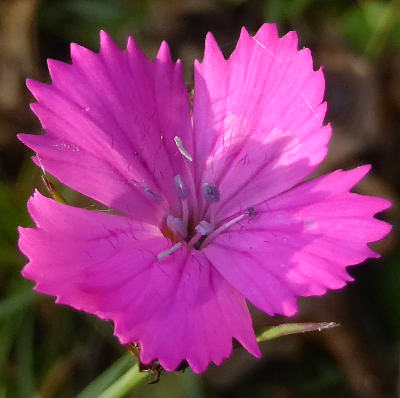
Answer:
(153, 368)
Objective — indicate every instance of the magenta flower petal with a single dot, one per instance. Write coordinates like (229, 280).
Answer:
(258, 117)
(213, 211)
(172, 307)
(300, 242)
(113, 113)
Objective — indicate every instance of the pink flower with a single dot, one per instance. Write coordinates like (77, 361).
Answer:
(210, 207)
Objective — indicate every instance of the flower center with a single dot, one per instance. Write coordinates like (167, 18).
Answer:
(187, 229)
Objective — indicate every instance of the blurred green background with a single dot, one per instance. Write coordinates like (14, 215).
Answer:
(51, 351)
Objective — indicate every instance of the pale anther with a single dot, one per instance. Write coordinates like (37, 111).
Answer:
(182, 149)
(181, 187)
(151, 193)
(176, 225)
(211, 192)
(168, 252)
(203, 228)
(252, 211)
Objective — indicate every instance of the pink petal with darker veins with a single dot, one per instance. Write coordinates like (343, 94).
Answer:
(107, 265)
(257, 118)
(300, 242)
(111, 120)
(119, 111)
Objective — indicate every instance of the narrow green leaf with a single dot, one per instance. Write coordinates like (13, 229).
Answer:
(192, 385)
(16, 303)
(53, 191)
(293, 328)
(24, 351)
(8, 335)
(102, 382)
(125, 383)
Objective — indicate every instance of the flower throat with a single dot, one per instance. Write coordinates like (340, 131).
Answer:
(186, 229)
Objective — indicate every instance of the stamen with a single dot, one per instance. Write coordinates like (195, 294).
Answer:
(193, 192)
(168, 252)
(212, 211)
(181, 187)
(203, 228)
(176, 225)
(211, 192)
(182, 149)
(194, 242)
(151, 193)
(185, 213)
(183, 192)
(222, 228)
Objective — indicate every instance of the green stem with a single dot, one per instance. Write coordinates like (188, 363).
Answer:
(124, 384)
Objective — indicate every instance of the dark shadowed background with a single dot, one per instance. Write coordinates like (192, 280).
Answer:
(51, 351)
